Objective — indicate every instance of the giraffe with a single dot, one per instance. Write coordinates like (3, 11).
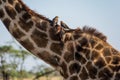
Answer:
(33, 31)
(86, 55)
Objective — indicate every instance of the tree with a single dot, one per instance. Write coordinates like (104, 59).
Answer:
(21, 55)
(10, 60)
(42, 70)
(3, 67)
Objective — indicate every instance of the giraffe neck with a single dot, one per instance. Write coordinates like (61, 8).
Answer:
(90, 58)
(85, 57)
(32, 30)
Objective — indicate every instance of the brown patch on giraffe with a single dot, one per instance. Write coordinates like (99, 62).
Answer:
(57, 48)
(77, 33)
(100, 62)
(18, 7)
(27, 44)
(11, 2)
(80, 58)
(39, 38)
(108, 59)
(26, 26)
(53, 36)
(17, 33)
(99, 47)
(114, 52)
(10, 11)
(93, 43)
(106, 52)
(26, 16)
(68, 56)
(4, 0)
(1, 13)
(74, 68)
(74, 78)
(7, 22)
(79, 48)
(70, 47)
(94, 32)
(47, 57)
(114, 68)
(92, 71)
(86, 52)
(64, 70)
(105, 74)
(83, 42)
(76, 36)
(0, 2)
(94, 55)
(83, 75)
(117, 76)
(42, 26)
(115, 60)
(30, 23)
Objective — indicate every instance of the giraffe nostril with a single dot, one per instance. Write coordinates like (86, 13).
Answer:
(74, 68)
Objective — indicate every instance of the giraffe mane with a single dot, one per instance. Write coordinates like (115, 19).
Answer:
(32, 12)
(93, 31)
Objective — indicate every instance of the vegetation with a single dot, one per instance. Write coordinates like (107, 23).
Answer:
(12, 65)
